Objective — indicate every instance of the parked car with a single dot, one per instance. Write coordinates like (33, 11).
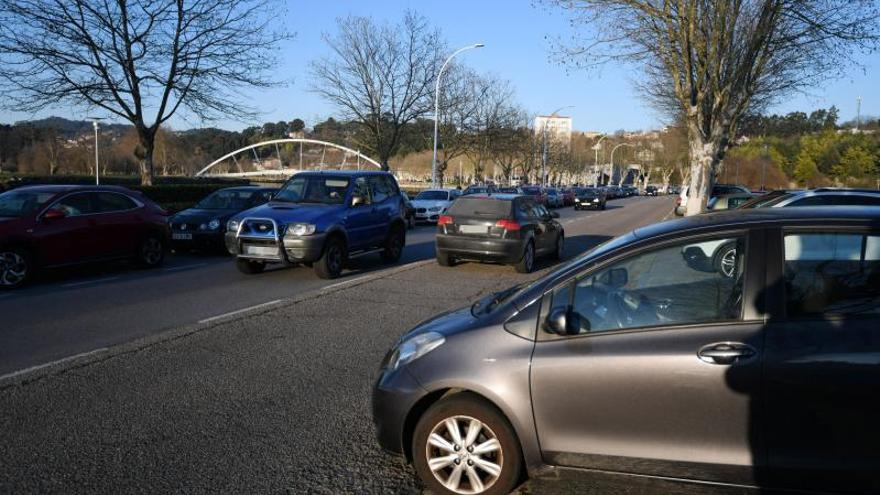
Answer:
(537, 193)
(554, 198)
(818, 197)
(204, 225)
(409, 211)
(568, 195)
(321, 219)
(628, 360)
(613, 192)
(50, 226)
(717, 190)
(630, 191)
(501, 228)
(590, 197)
(728, 201)
(511, 190)
(431, 203)
(476, 189)
(651, 191)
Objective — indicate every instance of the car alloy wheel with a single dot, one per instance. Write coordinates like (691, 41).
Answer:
(464, 455)
(152, 251)
(727, 264)
(13, 269)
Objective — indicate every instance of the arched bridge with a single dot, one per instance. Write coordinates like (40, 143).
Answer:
(340, 157)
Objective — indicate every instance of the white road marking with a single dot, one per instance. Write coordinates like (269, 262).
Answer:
(347, 282)
(239, 311)
(87, 282)
(183, 267)
(52, 363)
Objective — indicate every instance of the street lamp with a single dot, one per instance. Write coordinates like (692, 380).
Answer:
(612, 160)
(97, 167)
(437, 107)
(544, 144)
(596, 148)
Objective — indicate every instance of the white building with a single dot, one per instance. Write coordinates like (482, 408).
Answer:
(558, 128)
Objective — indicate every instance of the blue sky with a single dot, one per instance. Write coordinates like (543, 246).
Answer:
(515, 33)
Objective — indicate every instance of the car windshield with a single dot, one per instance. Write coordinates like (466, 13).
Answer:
(587, 190)
(226, 200)
(21, 203)
(531, 190)
(313, 189)
(480, 207)
(433, 196)
(509, 190)
(475, 190)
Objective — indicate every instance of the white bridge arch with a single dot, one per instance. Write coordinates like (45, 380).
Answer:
(284, 171)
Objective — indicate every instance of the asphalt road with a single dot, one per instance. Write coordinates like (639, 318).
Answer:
(275, 399)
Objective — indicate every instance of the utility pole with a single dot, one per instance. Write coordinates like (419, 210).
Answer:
(97, 162)
(858, 112)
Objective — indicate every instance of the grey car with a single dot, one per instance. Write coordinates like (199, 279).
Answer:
(631, 360)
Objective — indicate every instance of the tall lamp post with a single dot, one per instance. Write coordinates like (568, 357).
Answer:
(95, 121)
(596, 147)
(437, 107)
(612, 160)
(544, 144)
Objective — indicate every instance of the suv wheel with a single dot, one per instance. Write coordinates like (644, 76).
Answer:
(527, 263)
(15, 268)
(464, 445)
(329, 265)
(151, 252)
(249, 267)
(393, 248)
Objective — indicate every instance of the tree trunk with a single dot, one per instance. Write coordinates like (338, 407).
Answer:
(147, 141)
(702, 155)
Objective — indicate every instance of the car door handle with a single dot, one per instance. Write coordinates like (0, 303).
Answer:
(726, 352)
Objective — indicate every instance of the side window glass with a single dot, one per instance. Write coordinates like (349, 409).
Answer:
(362, 188)
(380, 189)
(110, 202)
(391, 184)
(76, 204)
(695, 282)
(833, 273)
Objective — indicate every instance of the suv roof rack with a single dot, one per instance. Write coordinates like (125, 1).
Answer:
(846, 189)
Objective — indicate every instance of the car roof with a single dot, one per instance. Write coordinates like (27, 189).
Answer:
(63, 188)
(249, 188)
(827, 191)
(495, 196)
(763, 216)
(347, 173)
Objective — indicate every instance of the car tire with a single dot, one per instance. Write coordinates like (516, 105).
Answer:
(443, 259)
(16, 268)
(393, 248)
(491, 461)
(602, 207)
(150, 252)
(249, 267)
(724, 260)
(527, 263)
(559, 254)
(329, 265)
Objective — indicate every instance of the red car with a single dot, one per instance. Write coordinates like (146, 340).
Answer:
(48, 226)
(568, 196)
(537, 193)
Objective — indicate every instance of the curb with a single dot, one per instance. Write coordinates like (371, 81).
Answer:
(38, 372)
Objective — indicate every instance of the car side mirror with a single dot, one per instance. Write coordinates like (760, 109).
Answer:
(54, 214)
(554, 214)
(358, 200)
(565, 321)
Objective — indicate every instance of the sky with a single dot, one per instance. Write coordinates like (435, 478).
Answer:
(516, 34)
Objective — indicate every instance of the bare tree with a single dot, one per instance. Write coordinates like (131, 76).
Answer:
(381, 77)
(140, 61)
(492, 112)
(710, 61)
(461, 94)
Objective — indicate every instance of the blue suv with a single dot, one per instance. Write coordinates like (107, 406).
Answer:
(321, 219)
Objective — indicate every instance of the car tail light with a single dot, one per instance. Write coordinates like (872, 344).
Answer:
(508, 224)
(445, 220)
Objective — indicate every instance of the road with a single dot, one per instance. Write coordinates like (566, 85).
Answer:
(274, 399)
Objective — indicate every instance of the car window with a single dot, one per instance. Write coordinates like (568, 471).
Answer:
(838, 200)
(76, 204)
(834, 273)
(693, 282)
(362, 188)
(541, 211)
(736, 202)
(381, 190)
(21, 203)
(313, 189)
(109, 202)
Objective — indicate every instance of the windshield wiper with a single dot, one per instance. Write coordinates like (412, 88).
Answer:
(496, 299)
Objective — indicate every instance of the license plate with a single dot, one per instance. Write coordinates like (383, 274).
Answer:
(177, 236)
(261, 250)
(473, 229)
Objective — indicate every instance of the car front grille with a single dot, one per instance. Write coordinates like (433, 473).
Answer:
(258, 228)
(421, 210)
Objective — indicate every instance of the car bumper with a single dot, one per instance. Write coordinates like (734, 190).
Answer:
(394, 395)
(429, 216)
(481, 248)
(304, 249)
(588, 204)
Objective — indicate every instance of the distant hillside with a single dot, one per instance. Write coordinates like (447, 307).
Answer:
(72, 128)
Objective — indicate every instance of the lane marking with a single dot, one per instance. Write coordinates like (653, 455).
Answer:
(183, 267)
(239, 311)
(51, 363)
(347, 282)
(87, 282)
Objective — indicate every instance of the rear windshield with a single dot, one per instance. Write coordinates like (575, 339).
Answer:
(433, 196)
(480, 207)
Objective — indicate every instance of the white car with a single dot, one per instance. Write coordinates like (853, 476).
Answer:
(431, 203)
(712, 256)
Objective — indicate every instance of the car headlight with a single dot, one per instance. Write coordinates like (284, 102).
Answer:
(577, 200)
(212, 225)
(413, 348)
(595, 200)
(299, 229)
(232, 225)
